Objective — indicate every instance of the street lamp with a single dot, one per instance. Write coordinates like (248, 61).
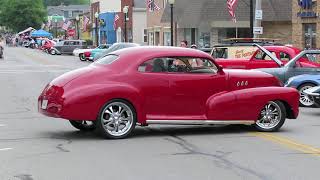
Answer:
(77, 20)
(125, 11)
(56, 28)
(171, 2)
(96, 15)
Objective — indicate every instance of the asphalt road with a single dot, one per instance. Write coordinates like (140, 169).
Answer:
(35, 147)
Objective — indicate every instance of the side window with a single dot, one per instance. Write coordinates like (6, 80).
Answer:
(76, 43)
(284, 56)
(155, 65)
(66, 43)
(178, 65)
(263, 56)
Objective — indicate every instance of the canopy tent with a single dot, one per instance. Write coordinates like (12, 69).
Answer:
(29, 29)
(41, 33)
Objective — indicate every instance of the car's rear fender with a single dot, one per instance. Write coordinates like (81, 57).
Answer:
(85, 102)
(246, 104)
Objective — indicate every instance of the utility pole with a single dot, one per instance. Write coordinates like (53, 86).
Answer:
(258, 17)
(251, 18)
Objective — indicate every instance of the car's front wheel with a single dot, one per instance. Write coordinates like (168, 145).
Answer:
(272, 117)
(82, 57)
(305, 100)
(116, 120)
(83, 125)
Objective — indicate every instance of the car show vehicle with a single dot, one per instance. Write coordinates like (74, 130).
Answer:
(67, 46)
(302, 83)
(80, 52)
(240, 48)
(314, 93)
(114, 47)
(294, 66)
(259, 59)
(158, 85)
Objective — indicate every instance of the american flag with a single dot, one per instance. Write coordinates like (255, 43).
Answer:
(66, 25)
(152, 6)
(231, 7)
(85, 23)
(116, 18)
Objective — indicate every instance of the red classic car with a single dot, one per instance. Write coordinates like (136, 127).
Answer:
(158, 85)
(262, 60)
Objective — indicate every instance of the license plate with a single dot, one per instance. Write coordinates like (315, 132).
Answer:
(44, 104)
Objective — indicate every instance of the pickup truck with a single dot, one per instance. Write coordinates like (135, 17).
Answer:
(259, 59)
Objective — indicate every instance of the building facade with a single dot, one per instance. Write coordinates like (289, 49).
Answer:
(158, 32)
(306, 24)
(207, 22)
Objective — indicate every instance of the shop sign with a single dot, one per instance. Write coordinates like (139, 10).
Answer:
(306, 9)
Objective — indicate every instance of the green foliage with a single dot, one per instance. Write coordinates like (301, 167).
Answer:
(21, 14)
(65, 2)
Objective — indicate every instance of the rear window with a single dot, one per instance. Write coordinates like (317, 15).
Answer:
(107, 59)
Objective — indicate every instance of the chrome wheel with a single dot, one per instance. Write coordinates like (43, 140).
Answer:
(305, 100)
(117, 119)
(270, 116)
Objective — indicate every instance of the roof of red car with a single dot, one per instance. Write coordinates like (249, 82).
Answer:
(147, 51)
(284, 48)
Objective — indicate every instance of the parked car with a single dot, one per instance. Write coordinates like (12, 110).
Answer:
(259, 59)
(240, 48)
(294, 66)
(114, 47)
(157, 85)
(67, 46)
(80, 52)
(314, 93)
(302, 83)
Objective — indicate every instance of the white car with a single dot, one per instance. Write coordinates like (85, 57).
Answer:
(80, 52)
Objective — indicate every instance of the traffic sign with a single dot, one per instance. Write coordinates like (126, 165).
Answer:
(259, 14)
(257, 30)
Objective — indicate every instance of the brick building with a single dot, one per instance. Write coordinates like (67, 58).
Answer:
(207, 22)
(306, 24)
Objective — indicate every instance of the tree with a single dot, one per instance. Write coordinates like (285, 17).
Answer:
(21, 14)
(65, 2)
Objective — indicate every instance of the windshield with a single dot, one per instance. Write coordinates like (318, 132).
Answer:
(107, 59)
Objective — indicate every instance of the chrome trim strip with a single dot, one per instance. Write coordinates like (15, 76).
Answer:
(198, 122)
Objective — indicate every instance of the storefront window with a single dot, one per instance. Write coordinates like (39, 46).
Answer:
(310, 36)
(232, 33)
(167, 38)
(204, 40)
(151, 39)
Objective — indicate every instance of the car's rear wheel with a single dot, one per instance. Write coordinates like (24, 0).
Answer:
(83, 125)
(305, 100)
(116, 120)
(272, 117)
(53, 52)
(82, 57)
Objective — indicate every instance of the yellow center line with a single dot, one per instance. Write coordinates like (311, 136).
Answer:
(288, 143)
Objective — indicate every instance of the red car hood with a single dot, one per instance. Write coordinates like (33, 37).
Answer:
(243, 79)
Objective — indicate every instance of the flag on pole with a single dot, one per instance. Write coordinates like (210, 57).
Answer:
(85, 23)
(152, 6)
(116, 18)
(66, 25)
(231, 8)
